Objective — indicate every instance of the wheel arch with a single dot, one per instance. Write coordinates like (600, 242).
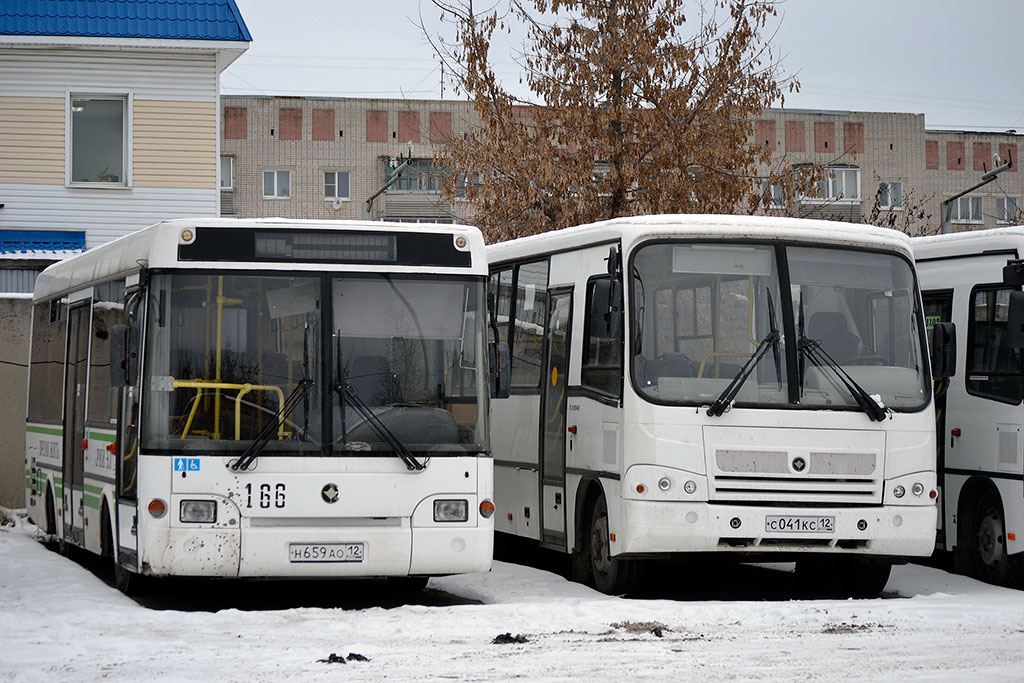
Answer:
(970, 494)
(589, 489)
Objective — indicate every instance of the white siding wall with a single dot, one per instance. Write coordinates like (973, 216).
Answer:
(103, 214)
(156, 75)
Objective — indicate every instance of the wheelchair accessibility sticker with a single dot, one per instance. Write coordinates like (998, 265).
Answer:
(186, 464)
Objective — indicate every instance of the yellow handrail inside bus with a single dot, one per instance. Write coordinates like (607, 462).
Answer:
(199, 385)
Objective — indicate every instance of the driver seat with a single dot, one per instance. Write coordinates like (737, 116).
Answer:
(832, 330)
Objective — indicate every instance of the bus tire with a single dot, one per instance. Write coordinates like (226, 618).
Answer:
(611, 575)
(51, 513)
(989, 558)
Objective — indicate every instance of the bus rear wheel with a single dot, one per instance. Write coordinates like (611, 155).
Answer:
(611, 575)
(989, 559)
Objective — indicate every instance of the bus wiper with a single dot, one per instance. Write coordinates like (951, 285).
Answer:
(347, 394)
(812, 351)
(771, 339)
(253, 450)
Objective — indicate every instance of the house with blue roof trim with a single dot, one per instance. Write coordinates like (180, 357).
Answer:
(109, 120)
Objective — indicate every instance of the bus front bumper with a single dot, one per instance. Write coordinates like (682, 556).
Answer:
(649, 527)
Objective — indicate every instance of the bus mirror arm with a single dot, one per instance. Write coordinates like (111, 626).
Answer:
(118, 360)
(942, 348)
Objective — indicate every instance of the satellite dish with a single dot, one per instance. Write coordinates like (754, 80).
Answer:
(336, 203)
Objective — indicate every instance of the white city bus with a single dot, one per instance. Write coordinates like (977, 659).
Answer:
(766, 395)
(981, 467)
(266, 398)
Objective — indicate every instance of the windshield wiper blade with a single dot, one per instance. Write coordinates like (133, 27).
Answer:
(257, 445)
(811, 349)
(772, 339)
(347, 393)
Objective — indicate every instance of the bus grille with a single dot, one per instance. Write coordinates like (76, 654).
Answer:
(782, 477)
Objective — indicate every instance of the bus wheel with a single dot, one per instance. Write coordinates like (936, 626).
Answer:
(989, 558)
(612, 576)
(51, 513)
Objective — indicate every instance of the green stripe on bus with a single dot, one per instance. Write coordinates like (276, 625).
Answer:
(100, 436)
(52, 431)
(92, 489)
(92, 502)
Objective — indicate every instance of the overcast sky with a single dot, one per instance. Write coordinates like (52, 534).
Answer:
(957, 62)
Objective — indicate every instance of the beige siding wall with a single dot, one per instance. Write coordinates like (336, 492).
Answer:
(32, 140)
(174, 144)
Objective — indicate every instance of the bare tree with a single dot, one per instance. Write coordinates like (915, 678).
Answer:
(630, 113)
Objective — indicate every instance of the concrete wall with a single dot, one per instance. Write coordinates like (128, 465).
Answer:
(15, 317)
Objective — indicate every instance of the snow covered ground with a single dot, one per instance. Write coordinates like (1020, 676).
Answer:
(58, 621)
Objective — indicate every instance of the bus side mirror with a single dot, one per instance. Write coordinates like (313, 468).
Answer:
(1015, 320)
(124, 357)
(942, 348)
(500, 369)
(614, 315)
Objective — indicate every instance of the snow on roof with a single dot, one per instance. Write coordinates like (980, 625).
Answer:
(632, 229)
(160, 19)
(40, 245)
(974, 241)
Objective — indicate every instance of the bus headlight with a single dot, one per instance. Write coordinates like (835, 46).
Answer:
(899, 491)
(917, 489)
(198, 511)
(451, 510)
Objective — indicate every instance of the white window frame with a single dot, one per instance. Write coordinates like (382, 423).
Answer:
(973, 206)
(127, 99)
(276, 172)
(230, 184)
(1003, 216)
(827, 187)
(335, 172)
(889, 205)
(776, 195)
(421, 173)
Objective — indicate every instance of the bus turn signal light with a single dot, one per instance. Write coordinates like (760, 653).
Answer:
(486, 509)
(157, 508)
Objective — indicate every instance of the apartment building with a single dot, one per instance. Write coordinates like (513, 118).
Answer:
(323, 158)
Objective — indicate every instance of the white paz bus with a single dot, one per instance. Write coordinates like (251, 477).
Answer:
(981, 463)
(715, 387)
(265, 398)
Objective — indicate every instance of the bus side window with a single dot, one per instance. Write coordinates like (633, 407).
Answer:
(602, 340)
(993, 365)
(528, 322)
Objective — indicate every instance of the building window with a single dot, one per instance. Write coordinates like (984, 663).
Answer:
(419, 176)
(1006, 210)
(841, 183)
(277, 184)
(775, 197)
(99, 140)
(227, 172)
(336, 185)
(965, 210)
(890, 196)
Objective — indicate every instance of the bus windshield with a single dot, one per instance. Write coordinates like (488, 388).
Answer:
(229, 357)
(223, 353)
(701, 311)
(408, 360)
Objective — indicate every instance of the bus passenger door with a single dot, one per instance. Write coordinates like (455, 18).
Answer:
(555, 379)
(938, 307)
(73, 496)
(128, 436)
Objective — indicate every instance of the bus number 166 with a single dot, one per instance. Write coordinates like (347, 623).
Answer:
(264, 495)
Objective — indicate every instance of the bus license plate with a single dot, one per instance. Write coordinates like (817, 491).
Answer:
(325, 552)
(799, 524)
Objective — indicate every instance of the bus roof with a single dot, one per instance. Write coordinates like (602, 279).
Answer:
(634, 229)
(972, 242)
(156, 246)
